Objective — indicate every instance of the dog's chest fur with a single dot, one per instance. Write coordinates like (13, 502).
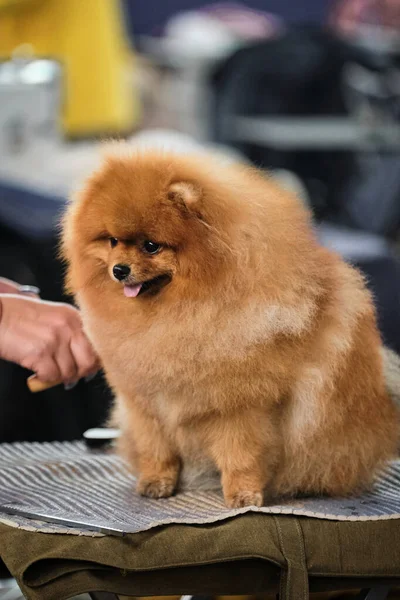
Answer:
(196, 358)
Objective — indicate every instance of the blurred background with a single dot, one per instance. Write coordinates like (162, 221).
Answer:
(308, 90)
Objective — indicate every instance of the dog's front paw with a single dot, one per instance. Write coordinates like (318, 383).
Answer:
(243, 498)
(156, 488)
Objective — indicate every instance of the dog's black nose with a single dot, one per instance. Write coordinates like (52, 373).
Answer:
(121, 272)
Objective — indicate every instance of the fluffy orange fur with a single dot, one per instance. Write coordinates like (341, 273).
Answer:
(256, 350)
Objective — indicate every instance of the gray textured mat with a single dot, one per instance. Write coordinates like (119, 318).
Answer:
(66, 488)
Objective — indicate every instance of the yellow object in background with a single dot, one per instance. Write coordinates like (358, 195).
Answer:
(87, 37)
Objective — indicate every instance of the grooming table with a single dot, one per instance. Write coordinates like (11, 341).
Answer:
(189, 544)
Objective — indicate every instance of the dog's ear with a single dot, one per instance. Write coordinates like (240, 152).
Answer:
(184, 192)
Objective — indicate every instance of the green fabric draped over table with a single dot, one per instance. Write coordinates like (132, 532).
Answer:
(252, 554)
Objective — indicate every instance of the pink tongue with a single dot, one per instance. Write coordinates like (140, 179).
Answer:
(131, 291)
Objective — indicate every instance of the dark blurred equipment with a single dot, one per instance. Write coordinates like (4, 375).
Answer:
(319, 106)
(328, 110)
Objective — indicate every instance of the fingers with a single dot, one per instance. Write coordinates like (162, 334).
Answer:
(84, 355)
(47, 338)
(72, 358)
(8, 287)
(50, 354)
(75, 357)
(48, 370)
(67, 364)
(11, 287)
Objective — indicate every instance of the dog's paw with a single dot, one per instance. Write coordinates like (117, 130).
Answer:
(245, 498)
(156, 488)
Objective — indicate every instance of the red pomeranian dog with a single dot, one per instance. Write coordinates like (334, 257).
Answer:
(230, 337)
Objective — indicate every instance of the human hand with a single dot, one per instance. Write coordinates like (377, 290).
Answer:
(45, 337)
(11, 287)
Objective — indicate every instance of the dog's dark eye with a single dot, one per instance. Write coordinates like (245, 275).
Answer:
(113, 242)
(151, 247)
